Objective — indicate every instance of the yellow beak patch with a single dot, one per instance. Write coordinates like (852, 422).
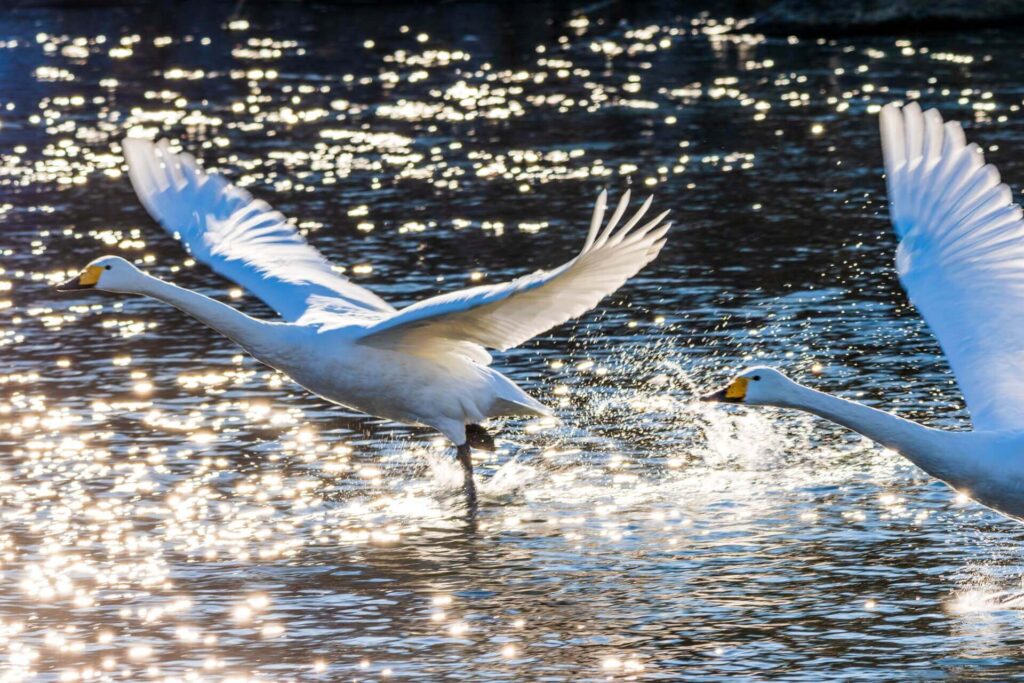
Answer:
(90, 276)
(737, 391)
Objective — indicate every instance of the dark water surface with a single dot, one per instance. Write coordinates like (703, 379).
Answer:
(170, 510)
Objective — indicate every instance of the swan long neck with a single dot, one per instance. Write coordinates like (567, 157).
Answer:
(240, 328)
(910, 439)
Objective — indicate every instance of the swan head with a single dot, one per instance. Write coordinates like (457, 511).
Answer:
(107, 273)
(755, 386)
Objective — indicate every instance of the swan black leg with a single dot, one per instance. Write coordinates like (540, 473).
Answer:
(466, 460)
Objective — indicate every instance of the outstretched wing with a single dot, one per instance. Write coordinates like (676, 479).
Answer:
(241, 238)
(960, 258)
(504, 315)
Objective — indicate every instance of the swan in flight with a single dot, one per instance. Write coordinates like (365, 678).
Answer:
(425, 364)
(961, 260)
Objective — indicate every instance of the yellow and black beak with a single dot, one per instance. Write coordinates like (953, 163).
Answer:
(87, 279)
(736, 392)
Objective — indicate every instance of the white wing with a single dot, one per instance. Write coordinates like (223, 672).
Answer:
(241, 238)
(504, 315)
(960, 258)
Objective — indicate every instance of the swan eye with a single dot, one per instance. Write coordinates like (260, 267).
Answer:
(756, 378)
(106, 267)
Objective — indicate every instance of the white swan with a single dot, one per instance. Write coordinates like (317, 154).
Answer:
(425, 364)
(961, 260)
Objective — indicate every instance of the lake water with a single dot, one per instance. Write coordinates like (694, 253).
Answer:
(171, 510)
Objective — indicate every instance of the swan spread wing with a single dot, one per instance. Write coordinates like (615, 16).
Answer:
(504, 315)
(241, 238)
(960, 258)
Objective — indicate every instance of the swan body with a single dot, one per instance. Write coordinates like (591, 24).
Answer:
(332, 364)
(426, 364)
(961, 260)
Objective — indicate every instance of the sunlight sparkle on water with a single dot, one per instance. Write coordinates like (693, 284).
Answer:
(173, 511)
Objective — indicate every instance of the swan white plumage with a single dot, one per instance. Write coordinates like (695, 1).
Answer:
(425, 364)
(961, 260)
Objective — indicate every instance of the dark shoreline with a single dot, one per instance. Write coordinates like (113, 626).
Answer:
(807, 18)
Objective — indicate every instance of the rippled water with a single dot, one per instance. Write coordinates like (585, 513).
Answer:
(173, 511)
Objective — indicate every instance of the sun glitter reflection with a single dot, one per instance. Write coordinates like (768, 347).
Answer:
(171, 510)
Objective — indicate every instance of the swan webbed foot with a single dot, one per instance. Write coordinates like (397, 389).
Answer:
(478, 437)
(465, 458)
